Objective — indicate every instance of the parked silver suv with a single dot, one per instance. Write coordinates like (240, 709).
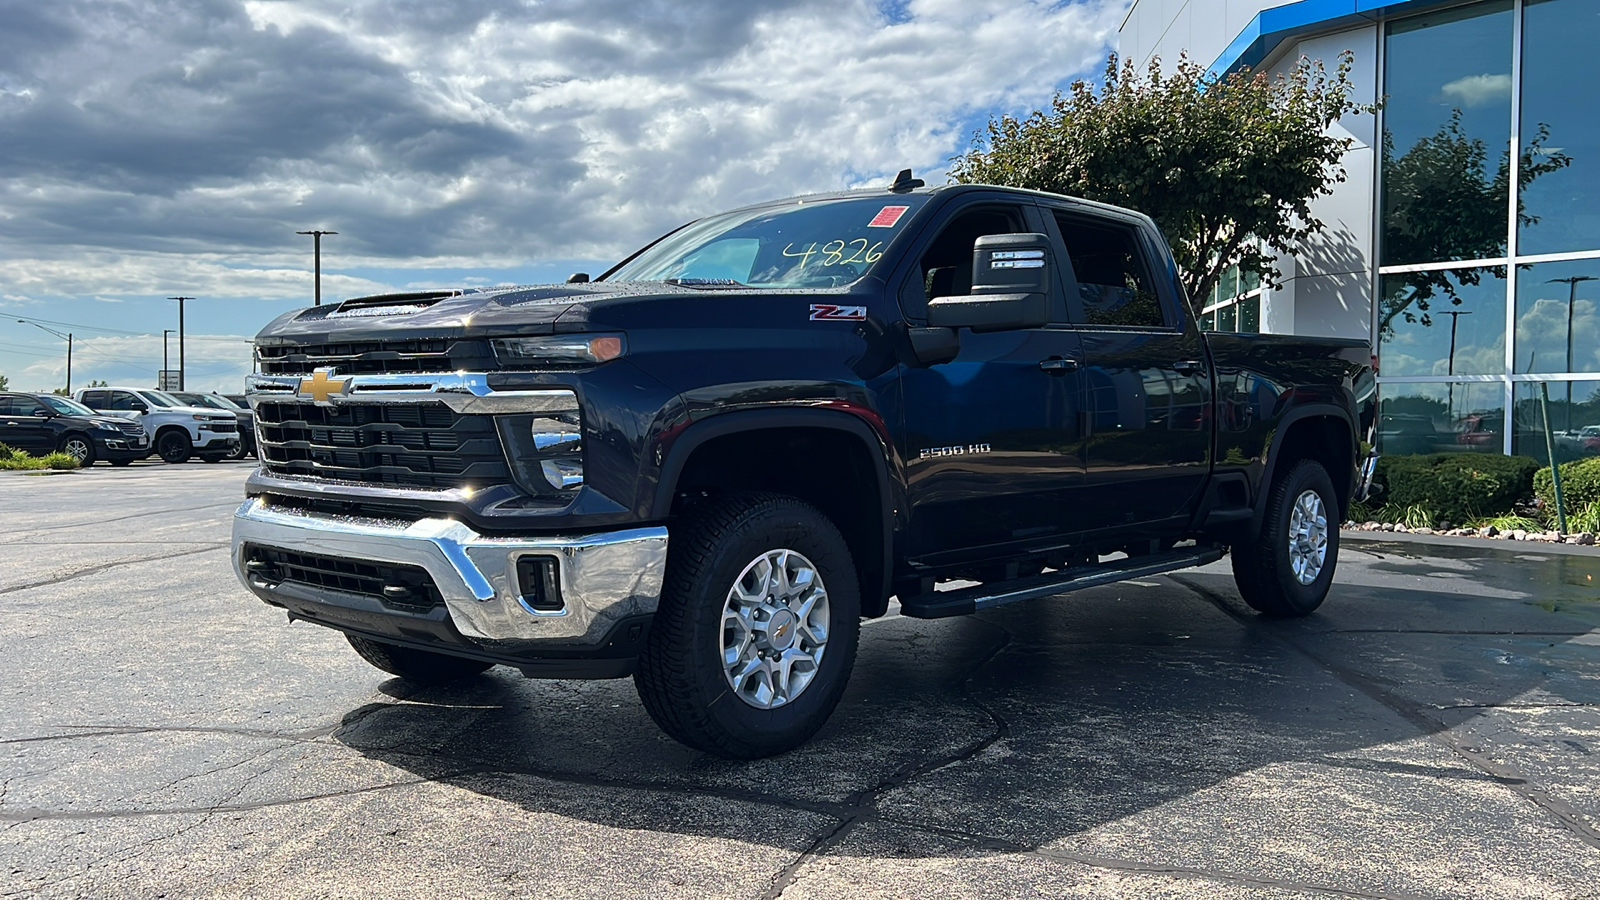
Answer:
(176, 431)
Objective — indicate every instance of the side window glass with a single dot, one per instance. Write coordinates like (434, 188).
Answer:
(26, 406)
(94, 399)
(120, 400)
(945, 268)
(1113, 282)
(5, 406)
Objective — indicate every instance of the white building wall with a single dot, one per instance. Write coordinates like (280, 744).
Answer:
(1166, 28)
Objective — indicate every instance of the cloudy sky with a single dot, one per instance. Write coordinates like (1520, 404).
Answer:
(151, 148)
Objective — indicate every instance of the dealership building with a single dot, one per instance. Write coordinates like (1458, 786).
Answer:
(1465, 242)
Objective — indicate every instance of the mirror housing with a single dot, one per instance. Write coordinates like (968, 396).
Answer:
(1010, 286)
(141, 407)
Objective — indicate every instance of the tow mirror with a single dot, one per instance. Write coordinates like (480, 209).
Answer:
(1010, 286)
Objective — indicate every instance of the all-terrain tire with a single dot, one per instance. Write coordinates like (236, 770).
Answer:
(80, 447)
(417, 666)
(174, 446)
(680, 675)
(1265, 568)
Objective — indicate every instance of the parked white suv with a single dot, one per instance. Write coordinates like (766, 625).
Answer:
(176, 431)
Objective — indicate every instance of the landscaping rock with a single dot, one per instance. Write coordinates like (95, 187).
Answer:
(1423, 530)
(1488, 531)
(1518, 535)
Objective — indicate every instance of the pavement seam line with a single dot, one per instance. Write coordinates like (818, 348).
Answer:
(1433, 729)
(104, 567)
(864, 803)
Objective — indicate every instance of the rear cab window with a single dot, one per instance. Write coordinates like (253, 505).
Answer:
(1115, 287)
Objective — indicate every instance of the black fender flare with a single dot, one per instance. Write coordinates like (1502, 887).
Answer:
(723, 424)
(1316, 409)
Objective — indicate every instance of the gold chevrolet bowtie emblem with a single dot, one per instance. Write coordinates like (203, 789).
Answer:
(319, 387)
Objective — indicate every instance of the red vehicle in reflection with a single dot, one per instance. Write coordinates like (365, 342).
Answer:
(1472, 431)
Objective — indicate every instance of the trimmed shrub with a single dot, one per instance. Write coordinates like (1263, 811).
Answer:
(1580, 484)
(59, 460)
(1458, 487)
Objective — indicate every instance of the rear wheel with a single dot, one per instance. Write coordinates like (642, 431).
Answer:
(418, 666)
(174, 446)
(79, 448)
(756, 632)
(1287, 569)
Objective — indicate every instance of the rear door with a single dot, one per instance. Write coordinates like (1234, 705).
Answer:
(1147, 423)
(990, 439)
(22, 426)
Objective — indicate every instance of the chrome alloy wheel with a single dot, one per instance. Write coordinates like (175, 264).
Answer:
(774, 629)
(78, 448)
(1308, 537)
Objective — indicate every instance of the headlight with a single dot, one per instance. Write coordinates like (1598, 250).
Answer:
(561, 348)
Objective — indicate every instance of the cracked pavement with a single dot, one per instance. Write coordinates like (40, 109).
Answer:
(1433, 732)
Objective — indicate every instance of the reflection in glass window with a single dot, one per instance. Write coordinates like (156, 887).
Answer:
(1250, 314)
(1447, 135)
(1228, 318)
(1558, 329)
(1560, 127)
(1441, 418)
(1573, 409)
(1443, 323)
(1113, 284)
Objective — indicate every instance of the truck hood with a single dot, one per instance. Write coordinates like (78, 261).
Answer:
(472, 312)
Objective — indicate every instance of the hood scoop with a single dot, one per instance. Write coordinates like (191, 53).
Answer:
(388, 304)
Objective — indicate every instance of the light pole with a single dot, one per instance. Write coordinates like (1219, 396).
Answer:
(1572, 299)
(180, 338)
(164, 333)
(316, 250)
(66, 337)
(1455, 316)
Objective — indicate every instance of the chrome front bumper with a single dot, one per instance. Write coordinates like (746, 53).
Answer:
(604, 577)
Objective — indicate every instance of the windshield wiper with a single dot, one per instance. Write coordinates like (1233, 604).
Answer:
(705, 282)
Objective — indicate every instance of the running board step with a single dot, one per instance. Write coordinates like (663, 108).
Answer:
(966, 601)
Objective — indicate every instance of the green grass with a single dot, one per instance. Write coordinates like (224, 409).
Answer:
(1414, 516)
(1511, 523)
(13, 459)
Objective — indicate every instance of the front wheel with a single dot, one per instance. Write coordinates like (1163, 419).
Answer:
(79, 448)
(235, 452)
(756, 632)
(419, 666)
(1287, 569)
(174, 446)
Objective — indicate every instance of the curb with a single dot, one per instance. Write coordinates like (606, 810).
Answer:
(1487, 545)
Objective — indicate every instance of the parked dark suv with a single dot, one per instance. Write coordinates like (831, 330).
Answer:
(43, 423)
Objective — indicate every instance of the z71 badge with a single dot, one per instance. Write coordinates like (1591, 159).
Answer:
(828, 312)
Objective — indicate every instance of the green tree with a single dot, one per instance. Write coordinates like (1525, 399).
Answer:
(5, 383)
(1226, 166)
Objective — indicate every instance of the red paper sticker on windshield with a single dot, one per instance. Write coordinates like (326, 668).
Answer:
(888, 217)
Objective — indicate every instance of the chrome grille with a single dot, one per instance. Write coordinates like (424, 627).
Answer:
(377, 357)
(411, 444)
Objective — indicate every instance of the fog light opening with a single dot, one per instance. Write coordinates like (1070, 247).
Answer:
(539, 584)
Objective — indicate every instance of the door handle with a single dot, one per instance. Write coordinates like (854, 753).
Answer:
(1188, 366)
(1058, 365)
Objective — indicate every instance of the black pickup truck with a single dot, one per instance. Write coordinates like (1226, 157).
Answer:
(706, 465)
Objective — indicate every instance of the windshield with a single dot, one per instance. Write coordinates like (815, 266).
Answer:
(67, 407)
(211, 400)
(161, 399)
(808, 243)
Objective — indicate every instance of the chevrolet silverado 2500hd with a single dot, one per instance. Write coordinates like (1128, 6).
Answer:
(704, 467)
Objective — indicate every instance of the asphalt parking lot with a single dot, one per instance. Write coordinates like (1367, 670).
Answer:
(1433, 732)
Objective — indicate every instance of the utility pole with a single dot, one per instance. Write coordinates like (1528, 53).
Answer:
(66, 337)
(180, 338)
(1455, 316)
(1572, 299)
(316, 245)
(164, 333)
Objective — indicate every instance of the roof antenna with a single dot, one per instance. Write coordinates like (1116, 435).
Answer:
(904, 182)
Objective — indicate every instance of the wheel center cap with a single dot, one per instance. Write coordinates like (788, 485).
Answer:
(781, 630)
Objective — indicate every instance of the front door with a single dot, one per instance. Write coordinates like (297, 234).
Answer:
(991, 439)
(1147, 442)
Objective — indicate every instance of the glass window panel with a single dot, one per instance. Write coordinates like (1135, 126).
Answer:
(1249, 281)
(1208, 321)
(1560, 127)
(1443, 323)
(1574, 411)
(1447, 135)
(1229, 286)
(1441, 418)
(1228, 318)
(1250, 314)
(1558, 317)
